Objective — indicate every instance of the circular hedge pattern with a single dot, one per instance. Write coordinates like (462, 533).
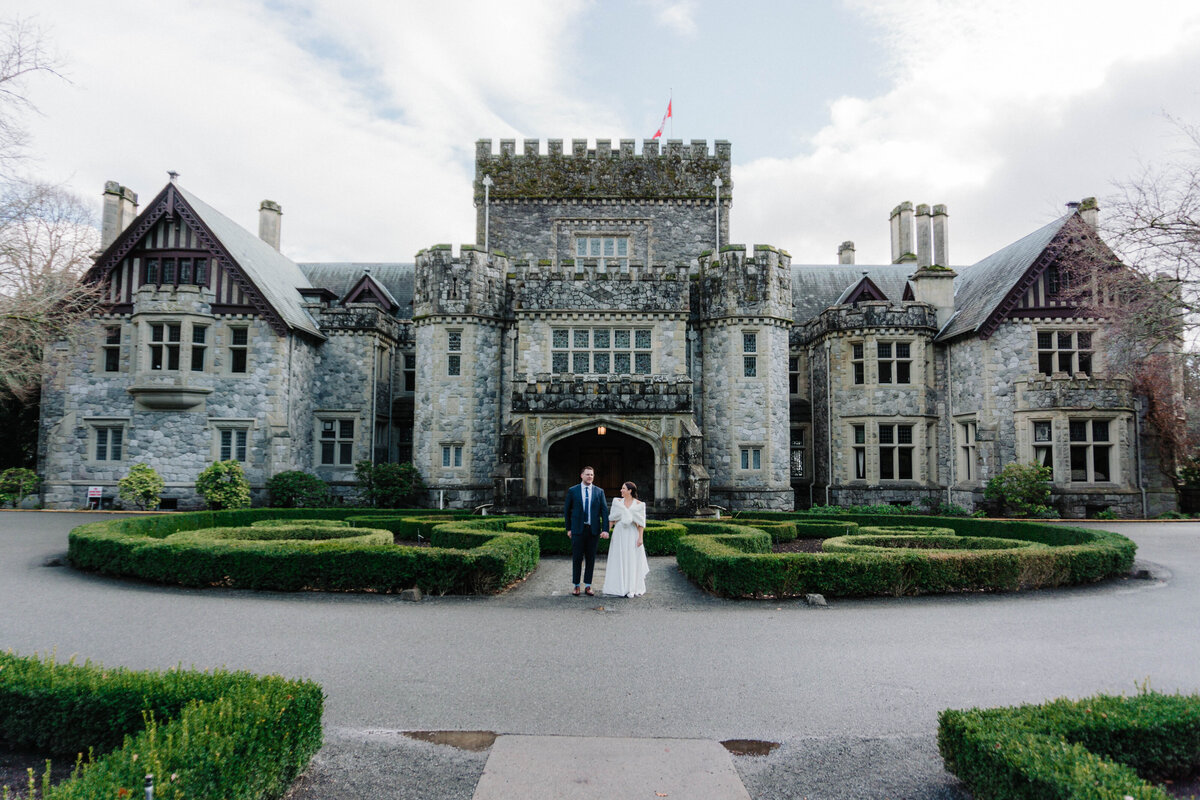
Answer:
(906, 530)
(932, 541)
(313, 549)
(288, 523)
(225, 548)
(299, 532)
(923, 556)
(660, 537)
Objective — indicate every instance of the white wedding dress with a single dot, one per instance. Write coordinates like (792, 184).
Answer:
(627, 567)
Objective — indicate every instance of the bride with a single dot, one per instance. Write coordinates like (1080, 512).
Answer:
(626, 570)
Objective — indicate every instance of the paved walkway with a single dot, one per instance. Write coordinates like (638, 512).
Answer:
(859, 683)
(578, 768)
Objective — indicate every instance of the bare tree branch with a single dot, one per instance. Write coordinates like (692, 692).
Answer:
(47, 239)
(23, 53)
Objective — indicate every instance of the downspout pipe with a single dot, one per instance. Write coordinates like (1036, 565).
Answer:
(812, 479)
(829, 419)
(953, 476)
(374, 384)
(1139, 404)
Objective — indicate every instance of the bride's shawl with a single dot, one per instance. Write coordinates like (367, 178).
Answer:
(635, 514)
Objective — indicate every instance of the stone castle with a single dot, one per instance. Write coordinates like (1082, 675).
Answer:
(601, 317)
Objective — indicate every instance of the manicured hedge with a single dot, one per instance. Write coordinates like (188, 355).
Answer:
(304, 532)
(659, 538)
(805, 528)
(1100, 747)
(404, 526)
(478, 557)
(906, 530)
(723, 563)
(287, 523)
(881, 542)
(219, 735)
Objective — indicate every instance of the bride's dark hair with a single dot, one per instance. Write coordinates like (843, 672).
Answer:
(632, 487)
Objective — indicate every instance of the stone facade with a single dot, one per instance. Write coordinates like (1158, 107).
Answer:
(600, 318)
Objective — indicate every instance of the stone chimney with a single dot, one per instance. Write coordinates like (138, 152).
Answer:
(846, 253)
(1089, 211)
(924, 238)
(120, 209)
(935, 286)
(941, 236)
(902, 234)
(270, 219)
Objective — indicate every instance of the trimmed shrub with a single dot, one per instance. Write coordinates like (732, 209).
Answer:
(223, 485)
(1020, 490)
(296, 489)
(659, 538)
(475, 556)
(287, 523)
(726, 566)
(884, 543)
(141, 486)
(408, 526)
(906, 530)
(17, 483)
(296, 532)
(204, 735)
(1102, 746)
(388, 485)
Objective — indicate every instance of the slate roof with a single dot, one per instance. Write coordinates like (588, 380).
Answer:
(817, 287)
(275, 275)
(981, 287)
(340, 278)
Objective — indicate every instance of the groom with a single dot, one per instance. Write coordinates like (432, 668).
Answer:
(586, 512)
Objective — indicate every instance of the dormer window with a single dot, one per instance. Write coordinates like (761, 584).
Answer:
(175, 270)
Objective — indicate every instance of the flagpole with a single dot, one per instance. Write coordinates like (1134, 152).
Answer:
(670, 100)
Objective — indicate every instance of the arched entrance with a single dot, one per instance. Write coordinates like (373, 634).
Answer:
(617, 457)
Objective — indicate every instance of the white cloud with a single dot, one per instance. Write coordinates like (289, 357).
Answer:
(358, 117)
(981, 94)
(679, 16)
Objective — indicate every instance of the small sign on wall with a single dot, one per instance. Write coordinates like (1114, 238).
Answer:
(95, 495)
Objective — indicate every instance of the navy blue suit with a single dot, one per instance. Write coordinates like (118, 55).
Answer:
(585, 531)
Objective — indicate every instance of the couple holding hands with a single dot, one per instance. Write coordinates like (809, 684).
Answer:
(587, 520)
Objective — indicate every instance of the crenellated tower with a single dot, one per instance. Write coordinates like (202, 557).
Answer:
(744, 315)
(660, 204)
(458, 318)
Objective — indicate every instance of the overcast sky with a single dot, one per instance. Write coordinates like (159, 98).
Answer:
(359, 116)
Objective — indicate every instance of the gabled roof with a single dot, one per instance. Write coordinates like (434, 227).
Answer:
(369, 290)
(275, 275)
(982, 288)
(270, 279)
(864, 290)
(817, 287)
(340, 278)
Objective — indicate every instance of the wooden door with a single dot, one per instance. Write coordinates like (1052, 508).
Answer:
(606, 461)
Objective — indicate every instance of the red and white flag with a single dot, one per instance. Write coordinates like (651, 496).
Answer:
(663, 124)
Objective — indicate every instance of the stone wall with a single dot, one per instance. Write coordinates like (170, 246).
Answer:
(178, 439)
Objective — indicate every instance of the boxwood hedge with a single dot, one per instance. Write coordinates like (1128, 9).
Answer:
(659, 538)
(203, 735)
(882, 542)
(1103, 746)
(727, 563)
(470, 557)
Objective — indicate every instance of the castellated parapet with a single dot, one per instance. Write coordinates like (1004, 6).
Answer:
(584, 286)
(738, 285)
(471, 283)
(871, 316)
(677, 171)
